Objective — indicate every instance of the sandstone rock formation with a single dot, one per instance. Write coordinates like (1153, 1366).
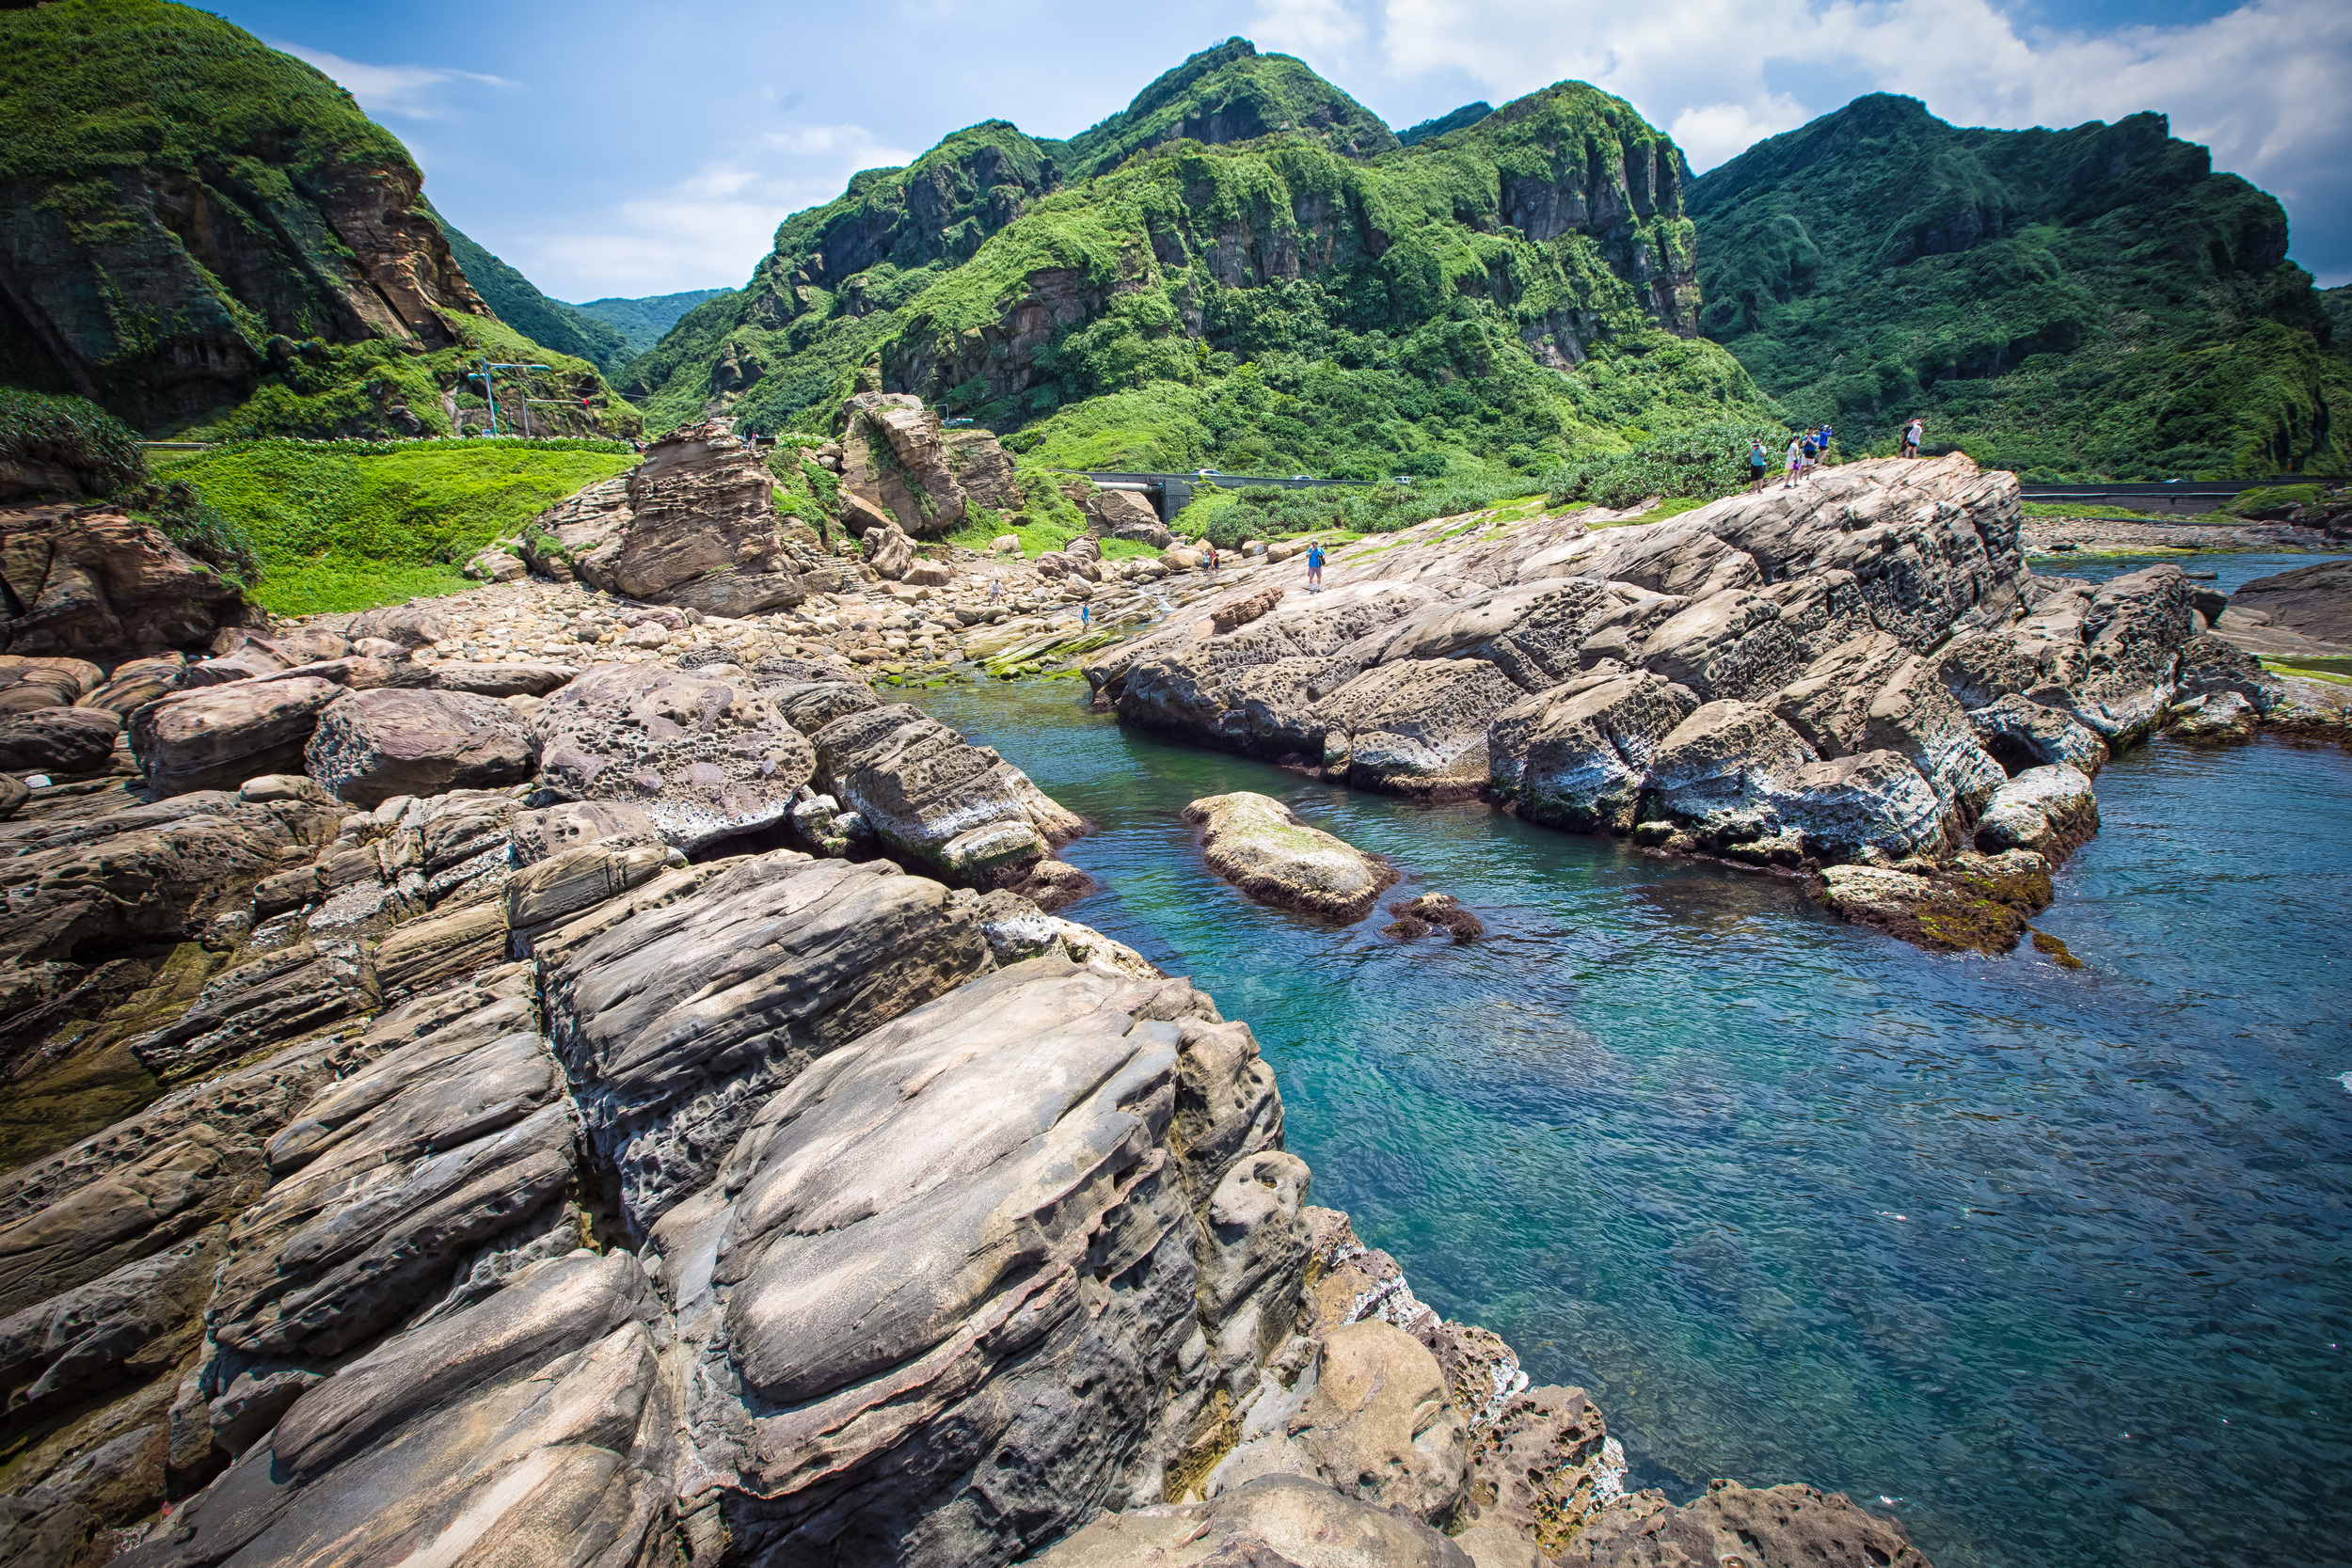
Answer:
(895, 459)
(1844, 673)
(694, 525)
(85, 579)
(1260, 847)
(524, 1190)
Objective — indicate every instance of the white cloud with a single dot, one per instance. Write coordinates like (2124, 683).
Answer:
(405, 92)
(2261, 85)
(1324, 31)
(709, 229)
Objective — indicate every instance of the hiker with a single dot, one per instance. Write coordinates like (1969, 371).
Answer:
(1823, 439)
(1085, 617)
(1314, 568)
(1759, 461)
(1796, 462)
(996, 590)
(1812, 452)
(1913, 432)
(1211, 563)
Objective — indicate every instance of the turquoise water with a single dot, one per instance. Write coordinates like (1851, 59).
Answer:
(2054, 1260)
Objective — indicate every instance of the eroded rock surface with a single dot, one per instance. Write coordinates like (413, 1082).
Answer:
(1846, 672)
(1260, 847)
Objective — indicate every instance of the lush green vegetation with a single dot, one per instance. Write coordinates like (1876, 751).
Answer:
(2091, 303)
(1266, 305)
(345, 525)
(209, 237)
(1227, 94)
(1429, 129)
(518, 303)
(2269, 497)
(642, 322)
(99, 451)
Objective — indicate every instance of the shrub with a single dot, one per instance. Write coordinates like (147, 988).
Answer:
(97, 449)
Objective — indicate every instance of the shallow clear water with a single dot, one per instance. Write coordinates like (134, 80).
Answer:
(2055, 1261)
(2231, 569)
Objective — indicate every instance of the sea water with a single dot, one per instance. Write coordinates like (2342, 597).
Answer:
(2055, 1265)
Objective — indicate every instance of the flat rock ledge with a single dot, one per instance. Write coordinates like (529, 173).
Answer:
(1262, 848)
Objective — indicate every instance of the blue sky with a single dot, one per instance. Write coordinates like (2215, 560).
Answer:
(610, 148)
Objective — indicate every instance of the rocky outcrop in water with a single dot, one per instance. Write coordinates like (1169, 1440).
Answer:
(1842, 674)
(1260, 847)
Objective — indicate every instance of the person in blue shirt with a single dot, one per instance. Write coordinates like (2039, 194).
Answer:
(1822, 440)
(1085, 617)
(1314, 568)
(1758, 461)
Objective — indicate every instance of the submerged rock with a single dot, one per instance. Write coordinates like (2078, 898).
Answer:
(1260, 847)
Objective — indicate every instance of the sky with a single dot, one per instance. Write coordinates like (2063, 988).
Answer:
(629, 150)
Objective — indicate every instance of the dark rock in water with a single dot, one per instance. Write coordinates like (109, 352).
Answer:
(1416, 917)
(1978, 903)
(2058, 951)
(2313, 603)
(1280, 1520)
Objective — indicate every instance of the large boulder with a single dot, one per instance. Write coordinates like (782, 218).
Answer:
(33, 682)
(982, 468)
(58, 739)
(374, 745)
(1260, 847)
(91, 579)
(945, 805)
(2048, 810)
(536, 1425)
(2306, 610)
(895, 460)
(1575, 757)
(136, 682)
(703, 530)
(704, 757)
(221, 735)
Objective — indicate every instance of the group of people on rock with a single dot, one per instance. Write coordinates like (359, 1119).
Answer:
(1809, 449)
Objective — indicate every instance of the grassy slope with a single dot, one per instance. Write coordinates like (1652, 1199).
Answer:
(346, 526)
(1402, 346)
(2091, 302)
(519, 303)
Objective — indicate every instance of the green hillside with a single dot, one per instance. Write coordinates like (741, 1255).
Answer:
(642, 322)
(2093, 302)
(208, 237)
(1429, 129)
(1310, 297)
(518, 303)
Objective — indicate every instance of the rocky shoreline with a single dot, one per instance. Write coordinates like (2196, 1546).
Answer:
(544, 1071)
(542, 1104)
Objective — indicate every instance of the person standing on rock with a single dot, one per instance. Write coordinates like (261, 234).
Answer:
(1912, 434)
(1821, 439)
(1314, 568)
(1759, 462)
(1085, 618)
(1796, 461)
(1211, 561)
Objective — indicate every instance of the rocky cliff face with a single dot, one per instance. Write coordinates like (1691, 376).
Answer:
(193, 217)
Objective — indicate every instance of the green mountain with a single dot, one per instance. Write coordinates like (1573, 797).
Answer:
(1242, 270)
(1468, 114)
(518, 303)
(2089, 302)
(207, 236)
(2337, 302)
(642, 322)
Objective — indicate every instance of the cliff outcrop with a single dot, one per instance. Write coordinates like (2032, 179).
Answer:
(193, 218)
(1855, 678)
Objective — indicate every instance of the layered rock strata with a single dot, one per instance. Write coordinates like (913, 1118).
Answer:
(529, 1190)
(1847, 673)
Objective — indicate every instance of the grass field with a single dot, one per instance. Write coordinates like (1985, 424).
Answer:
(346, 526)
